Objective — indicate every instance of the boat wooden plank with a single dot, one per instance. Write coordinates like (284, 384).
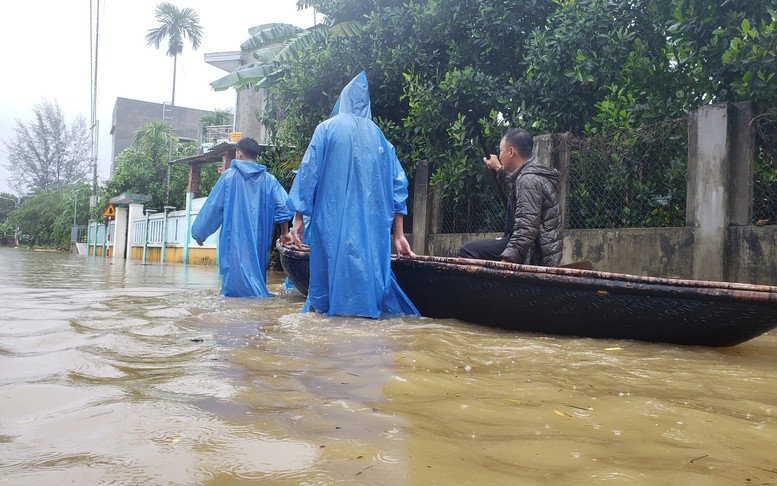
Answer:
(575, 302)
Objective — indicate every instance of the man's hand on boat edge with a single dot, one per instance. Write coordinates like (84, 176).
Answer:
(288, 243)
(402, 246)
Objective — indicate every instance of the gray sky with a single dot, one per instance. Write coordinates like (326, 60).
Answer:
(46, 55)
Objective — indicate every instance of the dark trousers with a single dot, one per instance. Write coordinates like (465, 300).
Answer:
(489, 249)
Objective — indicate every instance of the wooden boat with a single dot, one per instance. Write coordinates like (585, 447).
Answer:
(574, 302)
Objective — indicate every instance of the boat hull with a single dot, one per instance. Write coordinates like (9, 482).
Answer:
(577, 302)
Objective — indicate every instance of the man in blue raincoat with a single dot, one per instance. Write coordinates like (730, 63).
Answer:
(245, 202)
(353, 188)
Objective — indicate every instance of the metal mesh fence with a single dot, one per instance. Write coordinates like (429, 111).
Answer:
(407, 221)
(623, 179)
(631, 178)
(479, 210)
(765, 170)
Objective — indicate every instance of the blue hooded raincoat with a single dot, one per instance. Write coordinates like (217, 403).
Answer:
(245, 202)
(351, 185)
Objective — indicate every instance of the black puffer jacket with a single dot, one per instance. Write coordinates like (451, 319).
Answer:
(536, 236)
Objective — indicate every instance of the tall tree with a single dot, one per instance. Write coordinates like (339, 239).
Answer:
(46, 153)
(217, 117)
(154, 138)
(175, 25)
(141, 168)
(46, 216)
(8, 202)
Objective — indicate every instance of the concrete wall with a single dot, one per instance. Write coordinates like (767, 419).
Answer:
(718, 241)
(752, 254)
(249, 103)
(130, 115)
(652, 252)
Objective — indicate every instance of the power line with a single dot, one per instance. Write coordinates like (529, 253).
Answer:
(94, 44)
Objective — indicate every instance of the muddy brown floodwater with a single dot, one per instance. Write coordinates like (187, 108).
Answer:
(142, 374)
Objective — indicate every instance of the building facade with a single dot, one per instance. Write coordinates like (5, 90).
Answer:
(130, 115)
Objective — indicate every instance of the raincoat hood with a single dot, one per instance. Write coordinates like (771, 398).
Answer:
(355, 98)
(247, 168)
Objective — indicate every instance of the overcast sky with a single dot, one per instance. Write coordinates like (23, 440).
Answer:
(46, 55)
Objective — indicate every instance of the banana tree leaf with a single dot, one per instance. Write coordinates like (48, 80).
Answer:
(346, 29)
(267, 54)
(273, 45)
(301, 42)
(245, 75)
(266, 34)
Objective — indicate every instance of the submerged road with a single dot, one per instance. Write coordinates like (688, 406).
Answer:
(143, 374)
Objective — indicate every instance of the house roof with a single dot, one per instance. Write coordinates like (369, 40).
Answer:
(215, 154)
(126, 198)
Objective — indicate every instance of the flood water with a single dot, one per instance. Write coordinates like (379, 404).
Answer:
(142, 374)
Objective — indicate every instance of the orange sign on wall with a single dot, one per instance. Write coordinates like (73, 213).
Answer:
(110, 211)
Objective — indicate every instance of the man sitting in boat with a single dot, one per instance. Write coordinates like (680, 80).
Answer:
(532, 232)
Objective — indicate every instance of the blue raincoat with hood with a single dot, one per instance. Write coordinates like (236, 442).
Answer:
(245, 202)
(351, 185)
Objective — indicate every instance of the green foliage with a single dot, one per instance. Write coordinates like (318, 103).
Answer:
(46, 153)
(709, 46)
(271, 45)
(629, 177)
(218, 117)
(765, 170)
(8, 203)
(175, 25)
(142, 168)
(277, 161)
(593, 67)
(303, 100)
(340, 10)
(752, 58)
(45, 217)
(154, 139)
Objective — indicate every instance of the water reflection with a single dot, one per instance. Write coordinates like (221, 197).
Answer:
(142, 374)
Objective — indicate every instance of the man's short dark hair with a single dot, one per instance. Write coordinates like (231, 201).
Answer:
(521, 140)
(248, 146)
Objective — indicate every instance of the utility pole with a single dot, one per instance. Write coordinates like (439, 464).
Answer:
(94, 27)
(168, 116)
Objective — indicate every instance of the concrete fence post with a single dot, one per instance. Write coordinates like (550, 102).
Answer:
(554, 150)
(120, 232)
(135, 212)
(720, 168)
(421, 209)
(562, 162)
(742, 163)
(544, 152)
(188, 219)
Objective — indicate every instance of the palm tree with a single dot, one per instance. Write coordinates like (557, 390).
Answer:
(217, 117)
(155, 138)
(175, 25)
